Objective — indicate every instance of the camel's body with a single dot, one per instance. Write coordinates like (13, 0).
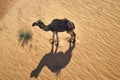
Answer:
(58, 25)
(61, 25)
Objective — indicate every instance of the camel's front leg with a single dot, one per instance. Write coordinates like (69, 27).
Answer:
(57, 39)
(53, 36)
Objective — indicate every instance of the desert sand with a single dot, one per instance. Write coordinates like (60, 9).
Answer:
(95, 56)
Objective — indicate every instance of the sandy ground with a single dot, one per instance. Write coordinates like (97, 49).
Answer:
(95, 56)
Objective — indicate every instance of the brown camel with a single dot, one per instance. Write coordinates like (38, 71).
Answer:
(58, 25)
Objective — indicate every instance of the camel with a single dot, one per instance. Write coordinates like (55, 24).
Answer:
(58, 25)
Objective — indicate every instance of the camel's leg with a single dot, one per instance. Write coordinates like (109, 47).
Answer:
(73, 36)
(53, 36)
(52, 49)
(57, 39)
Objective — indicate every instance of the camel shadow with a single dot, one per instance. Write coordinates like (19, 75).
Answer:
(55, 61)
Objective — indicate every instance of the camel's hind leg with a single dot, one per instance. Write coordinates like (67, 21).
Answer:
(73, 36)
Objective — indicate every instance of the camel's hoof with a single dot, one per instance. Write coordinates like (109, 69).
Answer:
(69, 39)
(57, 44)
(73, 41)
(52, 41)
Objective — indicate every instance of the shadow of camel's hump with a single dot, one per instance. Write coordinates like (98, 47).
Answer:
(56, 61)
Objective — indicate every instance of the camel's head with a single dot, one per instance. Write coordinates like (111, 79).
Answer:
(38, 23)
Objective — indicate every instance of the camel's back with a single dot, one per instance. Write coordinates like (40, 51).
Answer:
(59, 25)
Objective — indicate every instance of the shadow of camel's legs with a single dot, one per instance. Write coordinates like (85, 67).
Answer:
(52, 49)
(56, 49)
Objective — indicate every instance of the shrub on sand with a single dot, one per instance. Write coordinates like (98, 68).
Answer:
(24, 36)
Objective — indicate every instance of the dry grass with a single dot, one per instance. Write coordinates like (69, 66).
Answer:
(24, 36)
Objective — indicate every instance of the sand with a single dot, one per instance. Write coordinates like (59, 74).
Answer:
(95, 55)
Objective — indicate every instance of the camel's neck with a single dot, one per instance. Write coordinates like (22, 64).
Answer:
(44, 27)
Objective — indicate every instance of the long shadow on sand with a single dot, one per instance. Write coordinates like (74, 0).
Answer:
(54, 61)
